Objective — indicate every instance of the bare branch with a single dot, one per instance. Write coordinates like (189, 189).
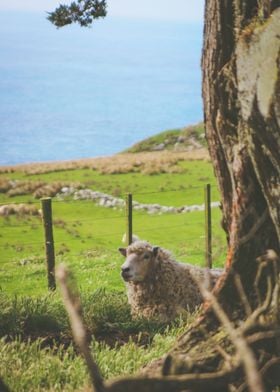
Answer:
(74, 309)
(245, 353)
(251, 321)
(198, 382)
(242, 294)
(254, 228)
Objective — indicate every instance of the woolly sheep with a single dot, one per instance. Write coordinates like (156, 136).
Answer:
(157, 285)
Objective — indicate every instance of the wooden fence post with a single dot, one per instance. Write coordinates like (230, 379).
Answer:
(129, 218)
(208, 226)
(46, 204)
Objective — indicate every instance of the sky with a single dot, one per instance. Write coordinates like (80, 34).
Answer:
(189, 10)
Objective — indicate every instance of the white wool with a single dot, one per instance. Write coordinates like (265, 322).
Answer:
(168, 288)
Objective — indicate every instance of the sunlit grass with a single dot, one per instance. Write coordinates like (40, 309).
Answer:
(37, 353)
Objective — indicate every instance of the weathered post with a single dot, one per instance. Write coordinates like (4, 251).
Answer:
(129, 218)
(46, 204)
(208, 226)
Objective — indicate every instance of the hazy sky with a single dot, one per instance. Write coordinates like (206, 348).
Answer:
(190, 10)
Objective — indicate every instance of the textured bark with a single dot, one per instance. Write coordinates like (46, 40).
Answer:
(241, 90)
(242, 128)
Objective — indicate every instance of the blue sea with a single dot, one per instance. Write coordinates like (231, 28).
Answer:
(75, 93)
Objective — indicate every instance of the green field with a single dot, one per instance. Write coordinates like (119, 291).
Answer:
(87, 237)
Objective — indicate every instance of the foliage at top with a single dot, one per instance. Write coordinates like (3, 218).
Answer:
(82, 11)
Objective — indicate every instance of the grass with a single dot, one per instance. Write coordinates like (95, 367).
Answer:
(36, 347)
(29, 366)
(87, 238)
(189, 182)
(105, 312)
(170, 138)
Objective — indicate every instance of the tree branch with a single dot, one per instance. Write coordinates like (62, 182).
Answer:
(83, 12)
(242, 294)
(245, 353)
(74, 309)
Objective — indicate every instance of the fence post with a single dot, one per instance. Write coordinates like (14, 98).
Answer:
(129, 218)
(46, 204)
(208, 226)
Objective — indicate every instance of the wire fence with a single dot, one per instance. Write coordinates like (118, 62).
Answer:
(79, 226)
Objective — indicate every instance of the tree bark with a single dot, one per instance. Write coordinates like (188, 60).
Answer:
(241, 92)
(243, 141)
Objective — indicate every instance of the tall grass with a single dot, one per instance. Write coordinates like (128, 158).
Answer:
(31, 366)
(36, 349)
(106, 314)
(26, 366)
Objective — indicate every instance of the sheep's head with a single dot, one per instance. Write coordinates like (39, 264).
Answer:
(139, 263)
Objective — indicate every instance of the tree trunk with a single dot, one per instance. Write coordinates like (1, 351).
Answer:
(241, 106)
(241, 91)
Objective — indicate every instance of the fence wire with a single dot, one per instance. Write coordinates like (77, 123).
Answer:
(14, 234)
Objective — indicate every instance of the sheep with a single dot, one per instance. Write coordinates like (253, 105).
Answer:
(159, 287)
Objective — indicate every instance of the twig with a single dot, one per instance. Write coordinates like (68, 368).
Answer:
(273, 362)
(269, 257)
(261, 267)
(199, 382)
(272, 256)
(251, 321)
(242, 294)
(254, 229)
(74, 309)
(226, 356)
(245, 353)
(264, 335)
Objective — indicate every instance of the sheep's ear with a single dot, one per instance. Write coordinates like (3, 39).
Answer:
(155, 250)
(122, 251)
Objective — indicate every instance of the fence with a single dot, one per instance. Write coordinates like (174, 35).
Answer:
(113, 225)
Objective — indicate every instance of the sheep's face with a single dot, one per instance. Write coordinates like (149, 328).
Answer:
(138, 267)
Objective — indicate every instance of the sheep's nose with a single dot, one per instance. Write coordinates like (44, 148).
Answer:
(125, 273)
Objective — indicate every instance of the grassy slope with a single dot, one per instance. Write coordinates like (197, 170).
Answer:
(170, 137)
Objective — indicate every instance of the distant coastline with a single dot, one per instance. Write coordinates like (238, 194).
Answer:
(188, 140)
(93, 92)
(188, 143)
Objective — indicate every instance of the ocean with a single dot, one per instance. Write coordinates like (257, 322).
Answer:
(75, 93)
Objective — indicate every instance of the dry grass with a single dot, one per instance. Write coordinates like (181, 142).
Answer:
(37, 188)
(20, 188)
(19, 210)
(145, 162)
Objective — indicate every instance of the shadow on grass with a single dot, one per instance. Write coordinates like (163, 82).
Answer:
(106, 315)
